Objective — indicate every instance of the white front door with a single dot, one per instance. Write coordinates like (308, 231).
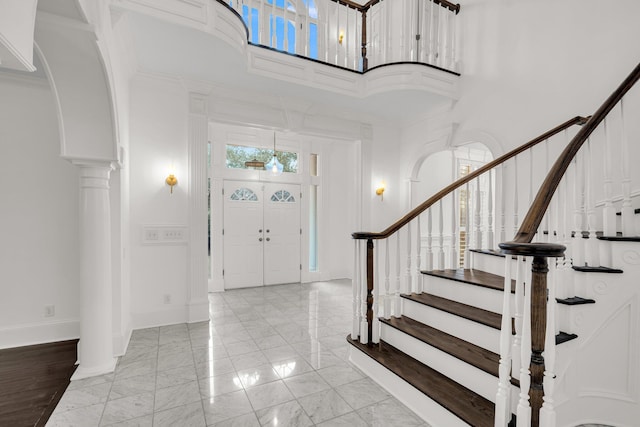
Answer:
(261, 234)
(282, 234)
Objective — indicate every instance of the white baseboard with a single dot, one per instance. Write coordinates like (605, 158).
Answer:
(164, 316)
(39, 333)
(199, 310)
(121, 342)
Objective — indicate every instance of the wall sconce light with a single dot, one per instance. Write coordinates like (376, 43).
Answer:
(380, 190)
(171, 179)
(340, 37)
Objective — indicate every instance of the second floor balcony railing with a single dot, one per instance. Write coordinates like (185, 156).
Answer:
(353, 36)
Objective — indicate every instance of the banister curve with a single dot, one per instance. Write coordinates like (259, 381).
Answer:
(578, 120)
(541, 202)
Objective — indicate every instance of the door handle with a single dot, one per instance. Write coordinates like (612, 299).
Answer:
(260, 239)
(267, 230)
(268, 239)
(260, 231)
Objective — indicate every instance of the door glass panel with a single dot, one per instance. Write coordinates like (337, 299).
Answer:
(244, 194)
(283, 196)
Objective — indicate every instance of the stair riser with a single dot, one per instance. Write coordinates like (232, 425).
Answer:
(427, 409)
(478, 296)
(469, 376)
(491, 264)
(475, 333)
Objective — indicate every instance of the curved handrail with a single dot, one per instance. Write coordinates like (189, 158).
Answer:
(578, 120)
(540, 204)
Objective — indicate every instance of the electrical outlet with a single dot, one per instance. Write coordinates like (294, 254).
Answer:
(167, 299)
(151, 235)
(173, 234)
(49, 310)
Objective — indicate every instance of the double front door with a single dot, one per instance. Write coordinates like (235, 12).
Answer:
(262, 234)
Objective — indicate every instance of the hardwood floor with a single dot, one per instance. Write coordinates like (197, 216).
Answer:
(32, 380)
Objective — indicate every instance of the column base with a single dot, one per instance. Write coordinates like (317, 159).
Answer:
(82, 372)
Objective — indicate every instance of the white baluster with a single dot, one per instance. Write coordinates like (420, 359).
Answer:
(440, 256)
(545, 219)
(592, 255)
(453, 65)
(518, 312)
(355, 284)
(431, 55)
(524, 409)
(478, 217)
(503, 396)
(468, 228)
(364, 326)
(263, 25)
(490, 212)
(503, 202)
(429, 265)
(285, 23)
(387, 297)
(579, 210)
(453, 253)
(516, 222)
(628, 226)
(408, 273)
(547, 412)
(396, 308)
(418, 279)
(608, 211)
(438, 36)
(375, 330)
(445, 38)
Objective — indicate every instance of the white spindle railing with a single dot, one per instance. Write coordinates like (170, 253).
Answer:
(332, 31)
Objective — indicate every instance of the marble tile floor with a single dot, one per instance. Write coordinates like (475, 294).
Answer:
(269, 356)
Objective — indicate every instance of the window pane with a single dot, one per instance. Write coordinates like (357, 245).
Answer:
(313, 228)
(237, 155)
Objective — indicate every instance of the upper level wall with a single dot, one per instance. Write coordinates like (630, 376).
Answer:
(530, 65)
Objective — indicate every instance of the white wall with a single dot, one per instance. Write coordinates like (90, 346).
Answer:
(530, 65)
(158, 139)
(39, 204)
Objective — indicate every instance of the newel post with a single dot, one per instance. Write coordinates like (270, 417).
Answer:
(538, 325)
(369, 291)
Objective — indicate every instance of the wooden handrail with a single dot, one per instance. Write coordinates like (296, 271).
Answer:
(534, 216)
(578, 120)
(362, 8)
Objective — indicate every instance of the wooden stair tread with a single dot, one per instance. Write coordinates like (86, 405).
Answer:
(459, 400)
(470, 353)
(473, 277)
(485, 317)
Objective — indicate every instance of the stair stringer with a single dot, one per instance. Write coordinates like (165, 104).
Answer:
(426, 408)
(598, 375)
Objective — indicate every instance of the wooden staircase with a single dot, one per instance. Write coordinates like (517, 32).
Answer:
(455, 344)
(446, 349)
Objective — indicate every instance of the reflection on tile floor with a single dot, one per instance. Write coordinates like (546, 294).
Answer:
(270, 356)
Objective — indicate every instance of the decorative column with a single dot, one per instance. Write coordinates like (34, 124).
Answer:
(95, 348)
(197, 291)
